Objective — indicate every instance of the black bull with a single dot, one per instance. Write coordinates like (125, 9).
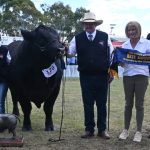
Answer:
(39, 50)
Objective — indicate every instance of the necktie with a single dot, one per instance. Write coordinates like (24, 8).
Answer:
(90, 36)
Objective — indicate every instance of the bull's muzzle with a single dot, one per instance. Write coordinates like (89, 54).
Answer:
(62, 49)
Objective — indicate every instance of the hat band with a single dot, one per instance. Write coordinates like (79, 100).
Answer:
(90, 19)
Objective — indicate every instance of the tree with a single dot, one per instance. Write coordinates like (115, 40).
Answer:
(17, 14)
(22, 14)
(60, 17)
(63, 19)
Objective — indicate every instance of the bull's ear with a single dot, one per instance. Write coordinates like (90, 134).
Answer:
(27, 35)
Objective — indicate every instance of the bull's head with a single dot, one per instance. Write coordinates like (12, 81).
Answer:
(45, 39)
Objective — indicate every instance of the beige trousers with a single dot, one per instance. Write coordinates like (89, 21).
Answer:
(134, 86)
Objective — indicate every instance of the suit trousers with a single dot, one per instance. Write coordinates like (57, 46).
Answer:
(94, 89)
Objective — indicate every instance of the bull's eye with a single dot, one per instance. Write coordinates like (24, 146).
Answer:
(53, 41)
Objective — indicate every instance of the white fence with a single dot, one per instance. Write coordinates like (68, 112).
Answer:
(71, 71)
(5, 40)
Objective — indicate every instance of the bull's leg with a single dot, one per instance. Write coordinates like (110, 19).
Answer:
(48, 109)
(15, 108)
(15, 103)
(26, 108)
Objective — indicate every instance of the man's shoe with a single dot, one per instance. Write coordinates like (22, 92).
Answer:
(104, 135)
(87, 135)
(124, 135)
(137, 137)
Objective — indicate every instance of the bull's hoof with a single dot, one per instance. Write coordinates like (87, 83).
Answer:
(26, 128)
(49, 128)
(2, 130)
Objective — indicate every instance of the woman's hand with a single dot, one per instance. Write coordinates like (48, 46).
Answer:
(121, 64)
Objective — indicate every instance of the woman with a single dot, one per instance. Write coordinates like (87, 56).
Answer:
(135, 81)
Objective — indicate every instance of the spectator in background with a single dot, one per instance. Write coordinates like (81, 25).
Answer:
(135, 81)
(3, 84)
(148, 36)
(71, 61)
(93, 54)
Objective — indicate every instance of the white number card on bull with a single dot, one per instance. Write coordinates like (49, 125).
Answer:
(50, 71)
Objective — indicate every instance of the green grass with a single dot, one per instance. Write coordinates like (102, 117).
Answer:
(73, 125)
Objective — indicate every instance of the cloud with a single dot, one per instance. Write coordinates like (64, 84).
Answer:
(120, 12)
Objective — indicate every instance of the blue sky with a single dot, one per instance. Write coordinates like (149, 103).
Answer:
(118, 12)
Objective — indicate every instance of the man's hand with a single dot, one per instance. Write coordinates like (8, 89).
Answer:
(121, 64)
(110, 78)
(1, 56)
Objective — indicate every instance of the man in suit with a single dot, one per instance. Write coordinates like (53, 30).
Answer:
(93, 48)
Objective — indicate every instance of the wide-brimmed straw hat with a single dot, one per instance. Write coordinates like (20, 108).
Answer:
(90, 17)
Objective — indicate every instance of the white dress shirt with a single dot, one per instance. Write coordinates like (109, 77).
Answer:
(142, 46)
(72, 45)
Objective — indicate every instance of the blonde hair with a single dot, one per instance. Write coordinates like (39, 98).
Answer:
(133, 24)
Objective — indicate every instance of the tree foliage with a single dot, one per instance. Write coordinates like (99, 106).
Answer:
(17, 14)
(60, 17)
(63, 19)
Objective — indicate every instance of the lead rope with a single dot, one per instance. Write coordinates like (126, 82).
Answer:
(108, 92)
(62, 110)
(63, 102)
(6, 102)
